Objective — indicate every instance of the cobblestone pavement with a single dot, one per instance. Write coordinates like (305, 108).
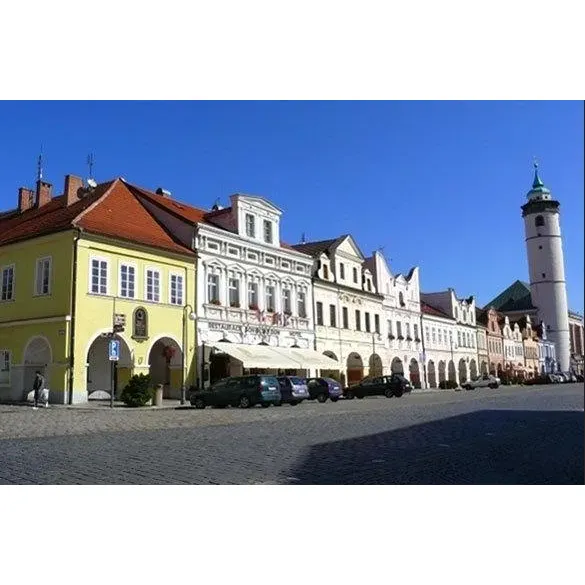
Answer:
(508, 435)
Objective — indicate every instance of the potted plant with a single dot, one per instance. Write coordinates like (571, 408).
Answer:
(253, 306)
(138, 391)
(235, 305)
(409, 338)
(214, 302)
(401, 337)
(391, 337)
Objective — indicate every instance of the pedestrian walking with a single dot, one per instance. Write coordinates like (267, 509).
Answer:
(41, 391)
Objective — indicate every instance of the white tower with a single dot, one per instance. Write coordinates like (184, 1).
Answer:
(546, 266)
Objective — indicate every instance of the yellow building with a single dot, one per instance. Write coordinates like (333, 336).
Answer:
(73, 265)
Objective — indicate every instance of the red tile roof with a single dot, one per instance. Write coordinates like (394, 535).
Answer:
(111, 209)
(430, 310)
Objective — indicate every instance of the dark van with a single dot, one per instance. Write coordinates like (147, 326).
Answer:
(242, 391)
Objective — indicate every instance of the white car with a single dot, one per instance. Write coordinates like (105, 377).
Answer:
(485, 381)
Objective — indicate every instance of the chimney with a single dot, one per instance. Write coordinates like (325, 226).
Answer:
(44, 190)
(163, 192)
(26, 199)
(73, 186)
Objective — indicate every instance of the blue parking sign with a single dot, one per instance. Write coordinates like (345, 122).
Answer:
(114, 350)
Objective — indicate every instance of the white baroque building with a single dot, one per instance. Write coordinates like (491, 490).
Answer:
(254, 295)
(513, 346)
(462, 341)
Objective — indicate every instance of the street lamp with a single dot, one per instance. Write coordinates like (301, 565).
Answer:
(192, 317)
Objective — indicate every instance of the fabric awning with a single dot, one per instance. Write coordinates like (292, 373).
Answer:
(267, 356)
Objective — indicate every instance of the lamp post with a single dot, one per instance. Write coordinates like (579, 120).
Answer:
(192, 316)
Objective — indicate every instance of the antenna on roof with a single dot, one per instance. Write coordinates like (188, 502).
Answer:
(90, 163)
(216, 205)
(303, 239)
(40, 165)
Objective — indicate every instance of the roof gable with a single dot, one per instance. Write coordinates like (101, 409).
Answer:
(516, 291)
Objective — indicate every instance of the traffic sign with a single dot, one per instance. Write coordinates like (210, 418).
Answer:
(114, 350)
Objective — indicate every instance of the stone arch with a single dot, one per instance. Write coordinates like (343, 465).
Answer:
(165, 359)
(37, 356)
(99, 368)
(355, 368)
(432, 374)
(462, 371)
(452, 373)
(442, 371)
(473, 369)
(484, 367)
(414, 373)
(375, 365)
(397, 366)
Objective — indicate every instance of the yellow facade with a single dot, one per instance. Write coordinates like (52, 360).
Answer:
(36, 329)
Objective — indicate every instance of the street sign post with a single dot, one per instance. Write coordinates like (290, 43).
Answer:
(114, 350)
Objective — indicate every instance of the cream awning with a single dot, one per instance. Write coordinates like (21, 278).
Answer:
(257, 356)
(267, 356)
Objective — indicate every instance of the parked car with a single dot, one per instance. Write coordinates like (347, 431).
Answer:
(483, 381)
(242, 391)
(293, 389)
(554, 378)
(324, 388)
(579, 377)
(393, 385)
(570, 377)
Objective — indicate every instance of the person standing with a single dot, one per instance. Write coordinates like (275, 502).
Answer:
(39, 387)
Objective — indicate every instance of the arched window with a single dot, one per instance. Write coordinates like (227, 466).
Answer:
(539, 221)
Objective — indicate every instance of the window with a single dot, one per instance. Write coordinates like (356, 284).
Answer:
(415, 327)
(176, 289)
(268, 231)
(401, 299)
(427, 338)
(342, 271)
(127, 281)
(355, 275)
(319, 313)
(250, 225)
(7, 283)
(440, 336)
(399, 329)
(99, 276)
(458, 337)
(270, 298)
(234, 292)
(325, 271)
(302, 304)
(213, 288)
(153, 285)
(233, 251)
(434, 335)
(252, 256)
(4, 367)
(407, 327)
(390, 329)
(332, 316)
(445, 335)
(539, 221)
(367, 319)
(377, 323)
(358, 321)
(43, 277)
(369, 283)
(543, 275)
(345, 317)
(285, 265)
(269, 260)
(286, 306)
(253, 295)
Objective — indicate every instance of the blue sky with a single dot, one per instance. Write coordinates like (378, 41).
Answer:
(436, 184)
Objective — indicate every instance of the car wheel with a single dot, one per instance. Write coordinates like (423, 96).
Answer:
(279, 403)
(388, 393)
(199, 403)
(334, 399)
(467, 387)
(293, 403)
(493, 386)
(265, 404)
(398, 393)
(360, 396)
(349, 395)
(321, 398)
(244, 402)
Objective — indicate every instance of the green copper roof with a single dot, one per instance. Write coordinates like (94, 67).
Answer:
(537, 184)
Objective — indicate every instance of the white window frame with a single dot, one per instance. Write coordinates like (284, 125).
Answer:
(154, 271)
(237, 288)
(286, 300)
(214, 280)
(302, 302)
(2, 270)
(250, 233)
(270, 306)
(38, 291)
(90, 287)
(122, 264)
(252, 294)
(182, 290)
(4, 353)
(268, 230)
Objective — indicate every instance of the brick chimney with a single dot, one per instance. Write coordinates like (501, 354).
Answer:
(73, 185)
(26, 199)
(44, 191)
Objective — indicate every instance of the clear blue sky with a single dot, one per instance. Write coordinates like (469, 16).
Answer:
(437, 184)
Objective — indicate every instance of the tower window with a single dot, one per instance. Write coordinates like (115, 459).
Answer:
(539, 221)
(543, 275)
(540, 247)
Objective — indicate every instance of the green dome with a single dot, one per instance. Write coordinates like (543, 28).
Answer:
(538, 188)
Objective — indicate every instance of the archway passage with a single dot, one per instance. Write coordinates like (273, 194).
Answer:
(432, 374)
(333, 373)
(442, 371)
(100, 381)
(397, 367)
(37, 357)
(473, 369)
(355, 368)
(414, 373)
(452, 373)
(484, 368)
(375, 365)
(462, 371)
(165, 360)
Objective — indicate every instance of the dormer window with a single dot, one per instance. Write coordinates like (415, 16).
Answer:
(250, 225)
(325, 272)
(369, 284)
(342, 271)
(355, 275)
(268, 231)
(401, 299)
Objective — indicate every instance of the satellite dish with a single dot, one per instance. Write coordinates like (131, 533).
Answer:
(91, 183)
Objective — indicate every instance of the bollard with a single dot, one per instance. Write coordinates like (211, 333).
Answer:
(158, 395)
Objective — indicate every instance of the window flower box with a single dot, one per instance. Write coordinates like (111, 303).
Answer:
(391, 337)
(215, 302)
(409, 338)
(417, 339)
(253, 307)
(235, 305)
(401, 337)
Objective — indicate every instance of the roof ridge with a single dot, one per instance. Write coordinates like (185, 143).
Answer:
(93, 205)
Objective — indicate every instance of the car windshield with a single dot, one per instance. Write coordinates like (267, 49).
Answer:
(297, 381)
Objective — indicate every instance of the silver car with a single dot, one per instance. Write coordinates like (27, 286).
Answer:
(484, 381)
(293, 389)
